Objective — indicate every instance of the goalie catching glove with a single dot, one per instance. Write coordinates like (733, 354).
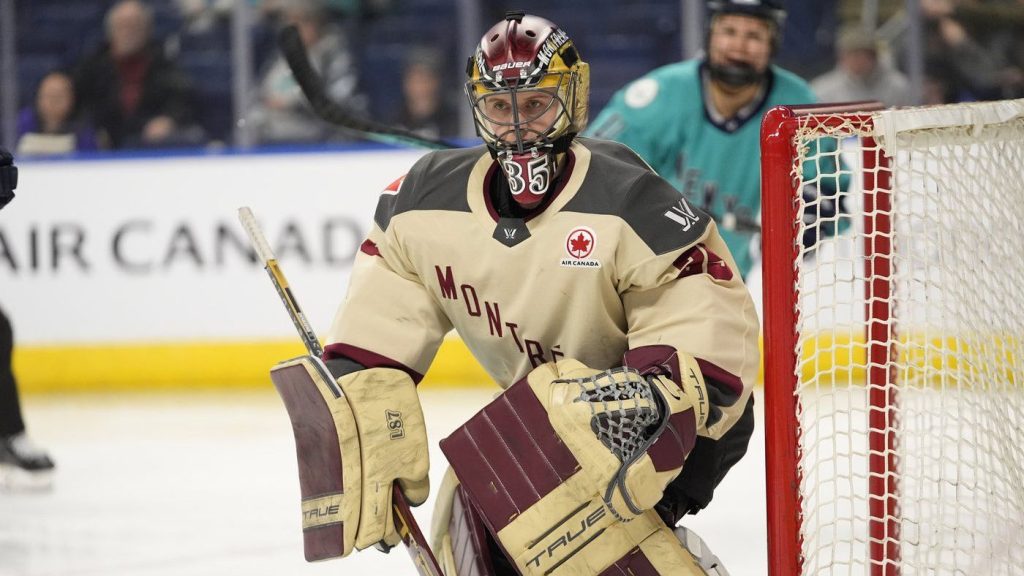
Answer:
(353, 439)
(631, 433)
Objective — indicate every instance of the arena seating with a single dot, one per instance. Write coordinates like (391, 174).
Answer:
(642, 34)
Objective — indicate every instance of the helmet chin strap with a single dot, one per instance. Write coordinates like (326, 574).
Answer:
(735, 76)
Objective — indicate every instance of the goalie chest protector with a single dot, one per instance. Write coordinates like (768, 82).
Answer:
(522, 292)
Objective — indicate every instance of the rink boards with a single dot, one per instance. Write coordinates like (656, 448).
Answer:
(117, 271)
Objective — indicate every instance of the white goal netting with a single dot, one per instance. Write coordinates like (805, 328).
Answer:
(909, 256)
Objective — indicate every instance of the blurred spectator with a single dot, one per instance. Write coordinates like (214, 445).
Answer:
(973, 72)
(131, 89)
(341, 8)
(200, 16)
(281, 113)
(808, 42)
(861, 73)
(998, 26)
(51, 125)
(426, 109)
(938, 85)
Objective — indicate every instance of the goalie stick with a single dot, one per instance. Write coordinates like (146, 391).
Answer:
(290, 44)
(405, 523)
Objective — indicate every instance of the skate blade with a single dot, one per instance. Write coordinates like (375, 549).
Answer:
(15, 479)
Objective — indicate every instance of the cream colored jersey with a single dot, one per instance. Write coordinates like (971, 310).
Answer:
(615, 260)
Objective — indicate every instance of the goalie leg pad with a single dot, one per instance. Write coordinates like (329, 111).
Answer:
(508, 456)
(536, 468)
(660, 553)
(327, 449)
(459, 535)
(702, 555)
(457, 532)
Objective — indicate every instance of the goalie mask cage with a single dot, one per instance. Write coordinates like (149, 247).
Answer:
(894, 368)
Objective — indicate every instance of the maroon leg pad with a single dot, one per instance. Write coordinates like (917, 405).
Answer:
(635, 563)
(508, 456)
(469, 538)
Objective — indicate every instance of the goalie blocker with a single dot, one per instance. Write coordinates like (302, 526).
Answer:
(565, 467)
(354, 438)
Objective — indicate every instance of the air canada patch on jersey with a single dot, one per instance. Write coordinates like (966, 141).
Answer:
(579, 249)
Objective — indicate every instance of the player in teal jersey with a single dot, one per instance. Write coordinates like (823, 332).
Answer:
(697, 122)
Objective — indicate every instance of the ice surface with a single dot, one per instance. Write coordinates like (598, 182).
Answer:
(205, 483)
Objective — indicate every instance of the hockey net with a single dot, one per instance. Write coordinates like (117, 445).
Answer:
(894, 339)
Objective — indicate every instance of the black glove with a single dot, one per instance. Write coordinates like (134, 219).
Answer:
(8, 177)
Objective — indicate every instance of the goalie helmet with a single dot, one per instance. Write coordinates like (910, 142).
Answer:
(528, 90)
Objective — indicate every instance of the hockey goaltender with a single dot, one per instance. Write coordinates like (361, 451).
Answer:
(608, 308)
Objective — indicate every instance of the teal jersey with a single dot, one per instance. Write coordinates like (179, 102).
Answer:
(715, 164)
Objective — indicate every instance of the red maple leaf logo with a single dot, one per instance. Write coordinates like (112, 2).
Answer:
(579, 245)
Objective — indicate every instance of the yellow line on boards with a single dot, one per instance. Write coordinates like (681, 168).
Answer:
(824, 359)
(204, 365)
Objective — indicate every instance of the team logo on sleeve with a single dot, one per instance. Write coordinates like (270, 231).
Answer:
(579, 245)
(683, 214)
(641, 93)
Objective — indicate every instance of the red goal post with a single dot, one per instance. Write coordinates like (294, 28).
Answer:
(893, 334)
